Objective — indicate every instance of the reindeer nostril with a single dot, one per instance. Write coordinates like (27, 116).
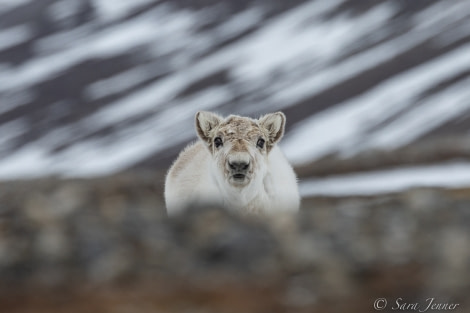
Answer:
(239, 166)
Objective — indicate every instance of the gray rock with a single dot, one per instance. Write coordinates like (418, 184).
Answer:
(65, 237)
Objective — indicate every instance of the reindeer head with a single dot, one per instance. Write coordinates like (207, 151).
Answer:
(240, 145)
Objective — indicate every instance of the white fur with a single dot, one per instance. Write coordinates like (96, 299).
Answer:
(197, 176)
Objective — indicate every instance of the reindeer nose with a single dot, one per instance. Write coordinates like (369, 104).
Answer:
(239, 166)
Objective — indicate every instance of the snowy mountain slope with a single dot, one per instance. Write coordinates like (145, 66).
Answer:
(94, 87)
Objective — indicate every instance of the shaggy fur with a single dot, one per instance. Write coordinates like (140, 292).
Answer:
(236, 164)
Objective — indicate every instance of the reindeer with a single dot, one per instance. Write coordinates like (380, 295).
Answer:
(236, 164)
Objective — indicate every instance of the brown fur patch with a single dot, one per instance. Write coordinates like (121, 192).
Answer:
(239, 131)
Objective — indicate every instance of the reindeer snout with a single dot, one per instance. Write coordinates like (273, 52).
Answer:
(239, 166)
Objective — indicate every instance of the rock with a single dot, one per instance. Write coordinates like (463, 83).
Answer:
(105, 244)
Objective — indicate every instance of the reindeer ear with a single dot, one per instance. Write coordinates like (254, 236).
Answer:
(274, 124)
(205, 123)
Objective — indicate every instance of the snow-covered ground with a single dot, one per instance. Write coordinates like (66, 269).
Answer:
(94, 88)
(448, 175)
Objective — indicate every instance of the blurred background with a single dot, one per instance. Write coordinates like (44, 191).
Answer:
(97, 97)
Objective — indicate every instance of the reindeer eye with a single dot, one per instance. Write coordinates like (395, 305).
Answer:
(260, 143)
(218, 142)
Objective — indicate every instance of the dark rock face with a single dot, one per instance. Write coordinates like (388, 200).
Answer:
(106, 245)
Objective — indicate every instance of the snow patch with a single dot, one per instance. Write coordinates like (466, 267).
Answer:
(240, 22)
(114, 9)
(118, 83)
(10, 131)
(12, 100)
(7, 5)
(65, 9)
(14, 36)
(450, 175)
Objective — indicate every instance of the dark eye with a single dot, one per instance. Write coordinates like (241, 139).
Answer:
(218, 142)
(260, 143)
